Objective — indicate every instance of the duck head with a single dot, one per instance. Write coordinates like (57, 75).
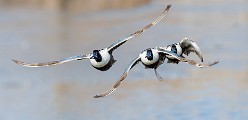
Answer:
(173, 48)
(149, 54)
(96, 55)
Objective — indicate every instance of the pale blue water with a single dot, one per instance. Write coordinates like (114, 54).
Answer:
(66, 92)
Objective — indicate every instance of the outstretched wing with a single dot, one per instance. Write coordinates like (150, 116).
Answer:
(125, 39)
(162, 51)
(80, 57)
(201, 65)
(124, 75)
(181, 59)
(190, 46)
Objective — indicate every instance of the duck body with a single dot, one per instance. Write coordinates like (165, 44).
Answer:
(102, 60)
(151, 58)
(174, 48)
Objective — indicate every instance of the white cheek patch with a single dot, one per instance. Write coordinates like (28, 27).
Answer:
(179, 49)
(145, 61)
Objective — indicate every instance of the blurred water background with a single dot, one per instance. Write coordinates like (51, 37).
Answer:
(45, 30)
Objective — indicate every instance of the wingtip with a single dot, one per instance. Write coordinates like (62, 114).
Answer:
(168, 7)
(97, 96)
(199, 54)
(17, 61)
(214, 63)
(13, 60)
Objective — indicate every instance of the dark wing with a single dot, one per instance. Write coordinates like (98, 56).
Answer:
(125, 39)
(124, 75)
(190, 46)
(181, 59)
(80, 57)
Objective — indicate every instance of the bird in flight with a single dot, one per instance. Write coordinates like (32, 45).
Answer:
(154, 57)
(101, 59)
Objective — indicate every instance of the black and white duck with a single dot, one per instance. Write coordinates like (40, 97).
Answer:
(100, 59)
(154, 57)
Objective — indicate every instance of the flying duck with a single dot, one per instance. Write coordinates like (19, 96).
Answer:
(153, 57)
(100, 59)
(184, 47)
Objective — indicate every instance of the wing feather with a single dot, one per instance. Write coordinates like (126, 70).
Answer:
(125, 39)
(80, 57)
(124, 75)
(191, 62)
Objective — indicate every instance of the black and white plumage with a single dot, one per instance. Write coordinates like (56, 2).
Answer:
(154, 57)
(100, 59)
(184, 47)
